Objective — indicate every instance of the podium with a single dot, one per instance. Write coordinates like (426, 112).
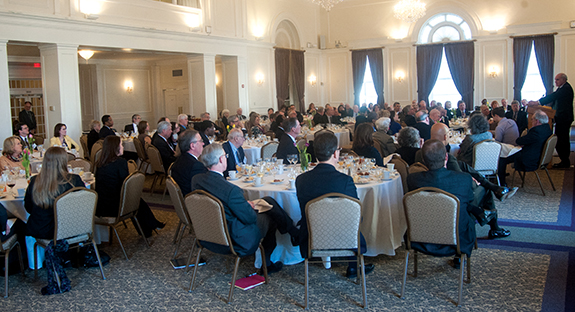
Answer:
(546, 109)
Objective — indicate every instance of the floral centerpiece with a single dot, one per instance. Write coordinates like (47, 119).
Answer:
(304, 156)
(26, 161)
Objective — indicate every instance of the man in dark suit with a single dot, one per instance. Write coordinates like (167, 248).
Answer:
(107, 130)
(422, 125)
(27, 116)
(532, 146)
(133, 127)
(448, 111)
(517, 115)
(320, 117)
(407, 116)
(287, 142)
(206, 129)
(562, 102)
(361, 116)
(163, 143)
(332, 118)
(23, 133)
(324, 179)
(245, 225)
(187, 164)
(461, 111)
(239, 112)
(234, 150)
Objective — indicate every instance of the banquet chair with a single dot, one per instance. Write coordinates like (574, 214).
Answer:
(74, 222)
(5, 248)
(486, 158)
(132, 166)
(180, 208)
(97, 147)
(71, 156)
(208, 219)
(157, 165)
(546, 157)
(129, 205)
(403, 168)
(142, 156)
(417, 167)
(84, 143)
(169, 173)
(378, 148)
(433, 217)
(80, 162)
(333, 226)
(269, 150)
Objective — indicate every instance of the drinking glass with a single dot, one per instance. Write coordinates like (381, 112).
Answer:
(11, 182)
(292, 159)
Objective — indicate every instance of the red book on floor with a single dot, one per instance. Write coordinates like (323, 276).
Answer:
(250, 282)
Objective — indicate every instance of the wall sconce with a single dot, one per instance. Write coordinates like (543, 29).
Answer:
(129, 86)
(86, 54)
(90, 8)
(493, 71)
(399, 76)
(312, 80)
(217, 80)
(193, 21)
(258, 32)
(260, 78)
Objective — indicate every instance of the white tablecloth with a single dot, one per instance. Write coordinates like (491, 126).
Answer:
(129, 145)
(383, 218)
(252, 152)
(342, 137)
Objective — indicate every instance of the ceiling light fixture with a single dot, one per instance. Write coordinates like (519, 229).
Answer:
(86, 54)
(326, 4)
(409, 10)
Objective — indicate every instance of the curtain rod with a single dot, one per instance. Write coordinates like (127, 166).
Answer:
(289, 49)
(367, 49)
(443, 43)
(533, 36)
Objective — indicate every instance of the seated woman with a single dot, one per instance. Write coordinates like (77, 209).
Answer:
(43, 189)
(94, 134)
(409, 143)
(11, 154)
(479, 128)
(311, 109)
(225, 114)
(394, 126)
(341, 111)
(111, 171)
(143, 129)
(363, 143)
(61, 139)
(256, 129)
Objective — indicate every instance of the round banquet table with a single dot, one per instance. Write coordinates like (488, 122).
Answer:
(129, 145)
(252, 152)
(342, 137)
(383, 220)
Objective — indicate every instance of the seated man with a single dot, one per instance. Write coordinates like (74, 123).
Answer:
(517, 115)
(422, 125)
(234, 150)
(506, 131)
(385, 141)
(187, 164)
(235, 122)
(133, 127)
(320, 117)
(324, 179)
(24, 134)
(245, 225)
(532, 146)
(287, 146)
(206, 129)
(162, 141)
(107, 130)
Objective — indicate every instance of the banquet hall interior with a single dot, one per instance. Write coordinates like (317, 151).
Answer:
(77, 60)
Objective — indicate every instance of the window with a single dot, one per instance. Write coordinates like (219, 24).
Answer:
(444, 89)
(444, 27)
(533, 88)
(368, 93)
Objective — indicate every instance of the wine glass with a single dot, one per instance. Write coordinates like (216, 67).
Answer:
(11, 182)
(274, 170)
(292, 159)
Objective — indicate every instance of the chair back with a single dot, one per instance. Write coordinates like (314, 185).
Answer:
(177, 200)
(84, 143)
(208, 218)
(74, 213)
(96, 148)
(131, 192)
(71, 156)
(486, 156)
(132, 166)
(220, 124)
(417, 167)
(269, 149)
(140, 150)
(432, 217)
(403, 168)
(96, 157)
(82, 163)
(155, 159)
(39, 139)
(547, 152)
(170, 169)
(333, 222)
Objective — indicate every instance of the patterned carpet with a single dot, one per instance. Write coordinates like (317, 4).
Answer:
(532, 270)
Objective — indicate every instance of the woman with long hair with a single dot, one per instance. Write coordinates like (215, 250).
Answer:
(51, 182)
(111, 171)
(143, 128)
(11, 154)
(255, 122)
(62, 139)
(363, 143)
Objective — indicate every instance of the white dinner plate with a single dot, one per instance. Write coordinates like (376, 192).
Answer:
(277, 182)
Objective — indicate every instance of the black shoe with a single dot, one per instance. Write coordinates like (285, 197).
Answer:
(561, 165)
(160, 225)
(273, 268)
(487, 216)
(504, 193)
(455, 263)
(352, 273)
(498, 233)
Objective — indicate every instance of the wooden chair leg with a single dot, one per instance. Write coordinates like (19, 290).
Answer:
(550, 181)
(233, 285)
(404, 274)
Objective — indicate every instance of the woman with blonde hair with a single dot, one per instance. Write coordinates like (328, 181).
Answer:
(11, 153)
(62, 139)
(51, 182)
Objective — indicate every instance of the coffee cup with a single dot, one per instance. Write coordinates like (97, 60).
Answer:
(390, 166)
(281, 169)
(88, 175)
(232, 174)
(258, 181)
(21, 192)
(386, 174)
(77, 170)
(292, 184)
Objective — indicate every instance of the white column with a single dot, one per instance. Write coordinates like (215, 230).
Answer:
(5, 112)
(202, 84)
(60, 81)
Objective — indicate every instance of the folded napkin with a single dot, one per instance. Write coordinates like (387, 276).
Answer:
(261, 205)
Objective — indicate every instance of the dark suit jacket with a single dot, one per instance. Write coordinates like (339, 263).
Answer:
(335, 120)
(459, 184)
(184, 169)
(459, 114)
(424, 130)
(319, 119)
(359, 120)
(166, 152)
(445, 120)
(532, 142)
(449, 114)
(109, 180)
(409, 120)
(521, 120)
(129, 128)
(93, 137)
(562, 101)
(370, 152)
(323, 179)
(28, 118)
(286, 147)
(231, 158)
(205, 138)
(407, 154)
(240, 216)
(105, 131)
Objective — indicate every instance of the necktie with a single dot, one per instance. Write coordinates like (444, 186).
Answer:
(238, 160)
